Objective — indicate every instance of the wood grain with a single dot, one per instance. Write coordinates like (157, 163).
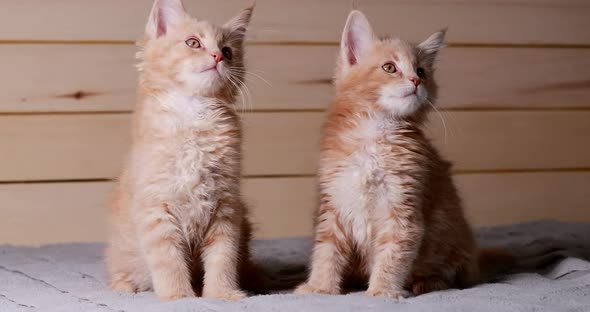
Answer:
(50, 78)
(71, 147)
(95, 78)
(35, 214)
(76, 212)
(492, 199)
(482, 21)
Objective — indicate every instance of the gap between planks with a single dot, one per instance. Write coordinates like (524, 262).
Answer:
(273, 111)
(305, 176)
(313, 43)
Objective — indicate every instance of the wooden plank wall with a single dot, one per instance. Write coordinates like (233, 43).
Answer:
(515, 99)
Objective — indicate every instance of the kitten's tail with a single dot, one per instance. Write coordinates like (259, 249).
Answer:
(493, 262)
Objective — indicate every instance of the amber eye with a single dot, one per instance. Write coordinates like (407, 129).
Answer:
(389, 68)
(421, 72)
(227, 53)
(193, 43)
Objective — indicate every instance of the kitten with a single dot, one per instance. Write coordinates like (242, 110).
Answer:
(389, 212)
(178, 221)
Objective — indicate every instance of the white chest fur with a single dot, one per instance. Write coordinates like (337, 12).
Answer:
(362, 188)
(184, 112)
(190, 135)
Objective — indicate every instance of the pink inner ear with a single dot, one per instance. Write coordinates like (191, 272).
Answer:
(161, 23)
(351, 57)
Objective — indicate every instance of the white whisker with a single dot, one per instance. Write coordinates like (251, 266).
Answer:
(440, 115)
(246, 73)
(244, 93)
(231, 80)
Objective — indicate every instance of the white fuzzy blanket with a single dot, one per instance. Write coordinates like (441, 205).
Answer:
(71, 277)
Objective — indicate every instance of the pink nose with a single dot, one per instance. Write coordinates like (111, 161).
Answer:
(415, 80)
(217, 56)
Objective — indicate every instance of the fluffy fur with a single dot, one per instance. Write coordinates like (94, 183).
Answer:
(389, 212)
(179, 225)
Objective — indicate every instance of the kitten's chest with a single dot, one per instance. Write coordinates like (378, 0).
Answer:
(197, 145)
(366, 165)
(203, 155)
(360, 181)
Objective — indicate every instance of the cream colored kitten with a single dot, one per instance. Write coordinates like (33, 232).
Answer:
(178, 221)
(390, 215)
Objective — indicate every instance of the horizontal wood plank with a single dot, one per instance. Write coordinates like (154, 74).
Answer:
(521, 22)
(74, 212)
(62, 78)
(71, 147)
(492, 199)
(58, 147)
(496, 141)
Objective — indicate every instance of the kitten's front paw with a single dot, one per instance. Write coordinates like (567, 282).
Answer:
(225, 294)
(175, 294)
(123, 286)
(389, 293)
(172, 297)
(307, 288)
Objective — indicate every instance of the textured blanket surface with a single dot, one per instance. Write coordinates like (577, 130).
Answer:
(71, 277)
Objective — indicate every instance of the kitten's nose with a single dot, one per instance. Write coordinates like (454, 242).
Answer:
(217, 56)
(415, 80)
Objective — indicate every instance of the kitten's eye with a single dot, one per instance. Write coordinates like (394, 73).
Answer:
(421, 72)
(227, 53)
(389, 68)
(193, 43)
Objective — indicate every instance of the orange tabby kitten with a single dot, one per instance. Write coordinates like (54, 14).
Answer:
(389, 212)
(178, 221)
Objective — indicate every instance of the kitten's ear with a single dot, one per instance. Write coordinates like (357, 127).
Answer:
(357, 38)
(428, 49)
(238, 25)
(164, 13)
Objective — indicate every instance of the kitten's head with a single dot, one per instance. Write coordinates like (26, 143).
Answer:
(192, 56)
(392, 73)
